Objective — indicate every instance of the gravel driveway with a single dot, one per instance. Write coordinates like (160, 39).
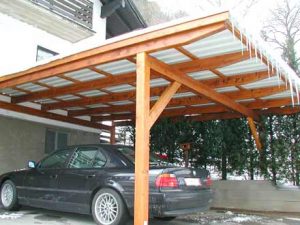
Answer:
(31, 216)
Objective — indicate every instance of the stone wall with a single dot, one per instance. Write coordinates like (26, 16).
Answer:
(21, 141)
(255, 196)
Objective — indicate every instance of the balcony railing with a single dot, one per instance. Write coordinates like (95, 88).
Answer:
(78, 11)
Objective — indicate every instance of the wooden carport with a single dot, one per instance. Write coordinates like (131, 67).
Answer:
(204, 69)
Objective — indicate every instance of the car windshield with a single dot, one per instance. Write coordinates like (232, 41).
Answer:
(130, 154)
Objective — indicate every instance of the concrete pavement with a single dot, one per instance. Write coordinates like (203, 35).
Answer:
(32, 216)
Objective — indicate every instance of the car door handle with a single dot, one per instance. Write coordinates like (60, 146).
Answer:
(54, 176)
(90, 176)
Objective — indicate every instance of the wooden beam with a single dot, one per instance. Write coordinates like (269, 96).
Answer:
(162, 102)
(124, 123)
(186, 101)
(75, 88)
(217, 109)
(195, 65)
(289, 110)
(254, 133)
(156, 91)
(212, 62)
(113, 134)
(281, 111)
(52, 116)
(152, 41)
(142, 151)
(199, 88)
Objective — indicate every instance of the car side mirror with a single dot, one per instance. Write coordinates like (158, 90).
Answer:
(31, 164)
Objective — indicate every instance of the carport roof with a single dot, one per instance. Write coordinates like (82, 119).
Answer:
(225, 73)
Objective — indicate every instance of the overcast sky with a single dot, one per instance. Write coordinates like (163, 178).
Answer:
(256, 15)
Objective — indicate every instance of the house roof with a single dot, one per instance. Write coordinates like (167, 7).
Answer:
(124, 20)
(224, 72)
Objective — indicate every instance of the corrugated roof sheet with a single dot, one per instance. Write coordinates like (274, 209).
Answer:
(117, 67)
(170, 56)
(84, 75)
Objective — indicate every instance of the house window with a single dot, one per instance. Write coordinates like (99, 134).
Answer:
(55, 140)
(44, 53)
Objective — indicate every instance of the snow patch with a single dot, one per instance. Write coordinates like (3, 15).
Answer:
(243, 218)
(294, 219)
(11, 216)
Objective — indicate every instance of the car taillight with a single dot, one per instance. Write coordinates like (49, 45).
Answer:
(166, 181)
(208, 181)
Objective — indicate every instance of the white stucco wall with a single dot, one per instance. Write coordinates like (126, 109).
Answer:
(19, 41)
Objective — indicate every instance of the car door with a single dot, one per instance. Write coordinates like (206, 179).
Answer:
(75, 184)
(41, 182)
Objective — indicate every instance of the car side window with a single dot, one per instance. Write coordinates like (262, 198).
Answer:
(87, 157)
(55, 161)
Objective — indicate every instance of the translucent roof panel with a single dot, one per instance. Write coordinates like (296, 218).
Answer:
(206, 104)
(170, 56)
(68, 97)
(84, 75)
(285, 94)
(46, 101)
(218, 44)
(92, 93)
(56, 82)
(32, 87)
(96, 106)
(203, 75)
(183, 95)
(159, 82)
(120, 88)
(118, 67)
(247, 66)
(12, 92)
(226, 89)
(269, 82)
(121, 102)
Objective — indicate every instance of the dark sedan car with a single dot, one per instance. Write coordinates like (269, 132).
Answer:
(99, 180)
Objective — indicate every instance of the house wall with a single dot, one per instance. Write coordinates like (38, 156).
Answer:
(19, 41)
(21, 141)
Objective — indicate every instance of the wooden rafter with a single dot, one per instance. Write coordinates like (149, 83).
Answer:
(195, 65)
(215, 83)
(214, 109)
(199, 88)
(212, 62)
(53, 116)
(194, 100)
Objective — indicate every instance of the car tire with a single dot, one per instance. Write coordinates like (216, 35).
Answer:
(108, 208)
(166, 218)
(9, 197)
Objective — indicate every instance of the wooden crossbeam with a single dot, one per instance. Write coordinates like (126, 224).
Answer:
(215, 109)
(195, 65)
(156, 91)
(254, 133)
(88, 85)
(162, 102)
(199, 88)
(213, 62)
(289, 110)
(53, 116)
(194, 100)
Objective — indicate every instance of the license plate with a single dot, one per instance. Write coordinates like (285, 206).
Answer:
(192, 182)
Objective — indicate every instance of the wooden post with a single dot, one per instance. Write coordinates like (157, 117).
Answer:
(254, 133)
(113, 134)
(141, 193)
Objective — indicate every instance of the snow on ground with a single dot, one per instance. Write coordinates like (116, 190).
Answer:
(11, 216)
